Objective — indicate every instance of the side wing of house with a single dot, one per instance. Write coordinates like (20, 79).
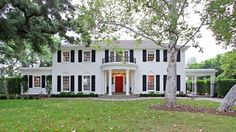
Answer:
(36, 79)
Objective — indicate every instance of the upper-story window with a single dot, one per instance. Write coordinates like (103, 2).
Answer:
(37, 81)
(151, 55)
(87, 56)
(66, 56)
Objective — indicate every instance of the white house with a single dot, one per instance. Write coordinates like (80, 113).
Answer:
(123, 67)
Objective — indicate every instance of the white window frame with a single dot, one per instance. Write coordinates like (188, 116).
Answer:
(63, 60)
(40, 81)
(90, 83)
(153, 83)
(68, 84)
(90, 55)
(154, 53)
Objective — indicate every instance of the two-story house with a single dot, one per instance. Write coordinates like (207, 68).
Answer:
(124, 67)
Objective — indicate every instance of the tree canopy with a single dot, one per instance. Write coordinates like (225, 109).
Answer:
(225, 65)
(222, 21)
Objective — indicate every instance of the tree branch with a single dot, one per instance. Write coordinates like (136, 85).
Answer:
(132, 30)
(190, 38)
(182, 9)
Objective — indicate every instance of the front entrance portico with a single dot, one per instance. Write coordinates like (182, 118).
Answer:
(118, 79)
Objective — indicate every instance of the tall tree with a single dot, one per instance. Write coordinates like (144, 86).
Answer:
(37, 21)
(161, 21)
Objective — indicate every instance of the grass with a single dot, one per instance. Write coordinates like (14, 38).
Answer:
(91, 115)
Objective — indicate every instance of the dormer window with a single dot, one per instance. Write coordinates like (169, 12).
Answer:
(66, 56)
(87, 56)
(151, 55)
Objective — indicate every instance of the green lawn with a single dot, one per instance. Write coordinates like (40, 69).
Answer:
(90, 115)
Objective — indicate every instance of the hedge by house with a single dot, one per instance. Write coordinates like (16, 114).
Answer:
(223, 86)
(203, 86)
(13, 85)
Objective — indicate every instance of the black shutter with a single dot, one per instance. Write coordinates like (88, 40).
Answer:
(72, 83)
(58, 56)
(72, 56)
(144, 55)
(43, 81)
(30, 81)
(79, 55)
(157, 55)
(144, 83)
(164, 82)
(157, 82)
(106, 56)
(93, 82)
(93, 56)
(178, 56)
(165, 55)
(79, 83)
(178, 82)
(131, 55)
(58, 83)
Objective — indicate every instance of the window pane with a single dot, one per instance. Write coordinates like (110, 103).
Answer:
(86, 83)
(37, 81)
(126, 57)
(87, 56)
(151, 55)
(66, 56)
(112, 56)
(150, 82)
(66, 83)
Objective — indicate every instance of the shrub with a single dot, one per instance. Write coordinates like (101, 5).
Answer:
(152, 94)
(14, 85)
(3, 97)
(203, 86)
(72, 95)
(223, 86)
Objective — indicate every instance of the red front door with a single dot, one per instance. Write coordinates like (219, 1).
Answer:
(119, 84)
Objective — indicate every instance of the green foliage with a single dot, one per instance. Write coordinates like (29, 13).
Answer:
(36, 22)
(224, 85)
(13, 85)
(203, 87)
(71, 95)
(25, 83)
(222, 14)
(229, 64)
(225, 65)
(152, 94)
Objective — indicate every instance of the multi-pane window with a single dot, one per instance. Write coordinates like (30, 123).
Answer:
(87, 83)
(66, 56)
(150, 80)
(66, 83)
(37, 81)
(87, 56)
(126, 56)
(151, 55)
(112, 55)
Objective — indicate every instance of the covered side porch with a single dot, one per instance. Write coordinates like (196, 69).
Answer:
(195, 73)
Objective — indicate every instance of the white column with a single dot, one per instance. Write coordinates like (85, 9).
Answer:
(212, 85)
(105, 82)
(195, 85)
(132, 81)
(110, 83)
(127, 82)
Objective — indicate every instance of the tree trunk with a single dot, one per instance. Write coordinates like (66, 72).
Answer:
(170, 93)
(229, 100)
